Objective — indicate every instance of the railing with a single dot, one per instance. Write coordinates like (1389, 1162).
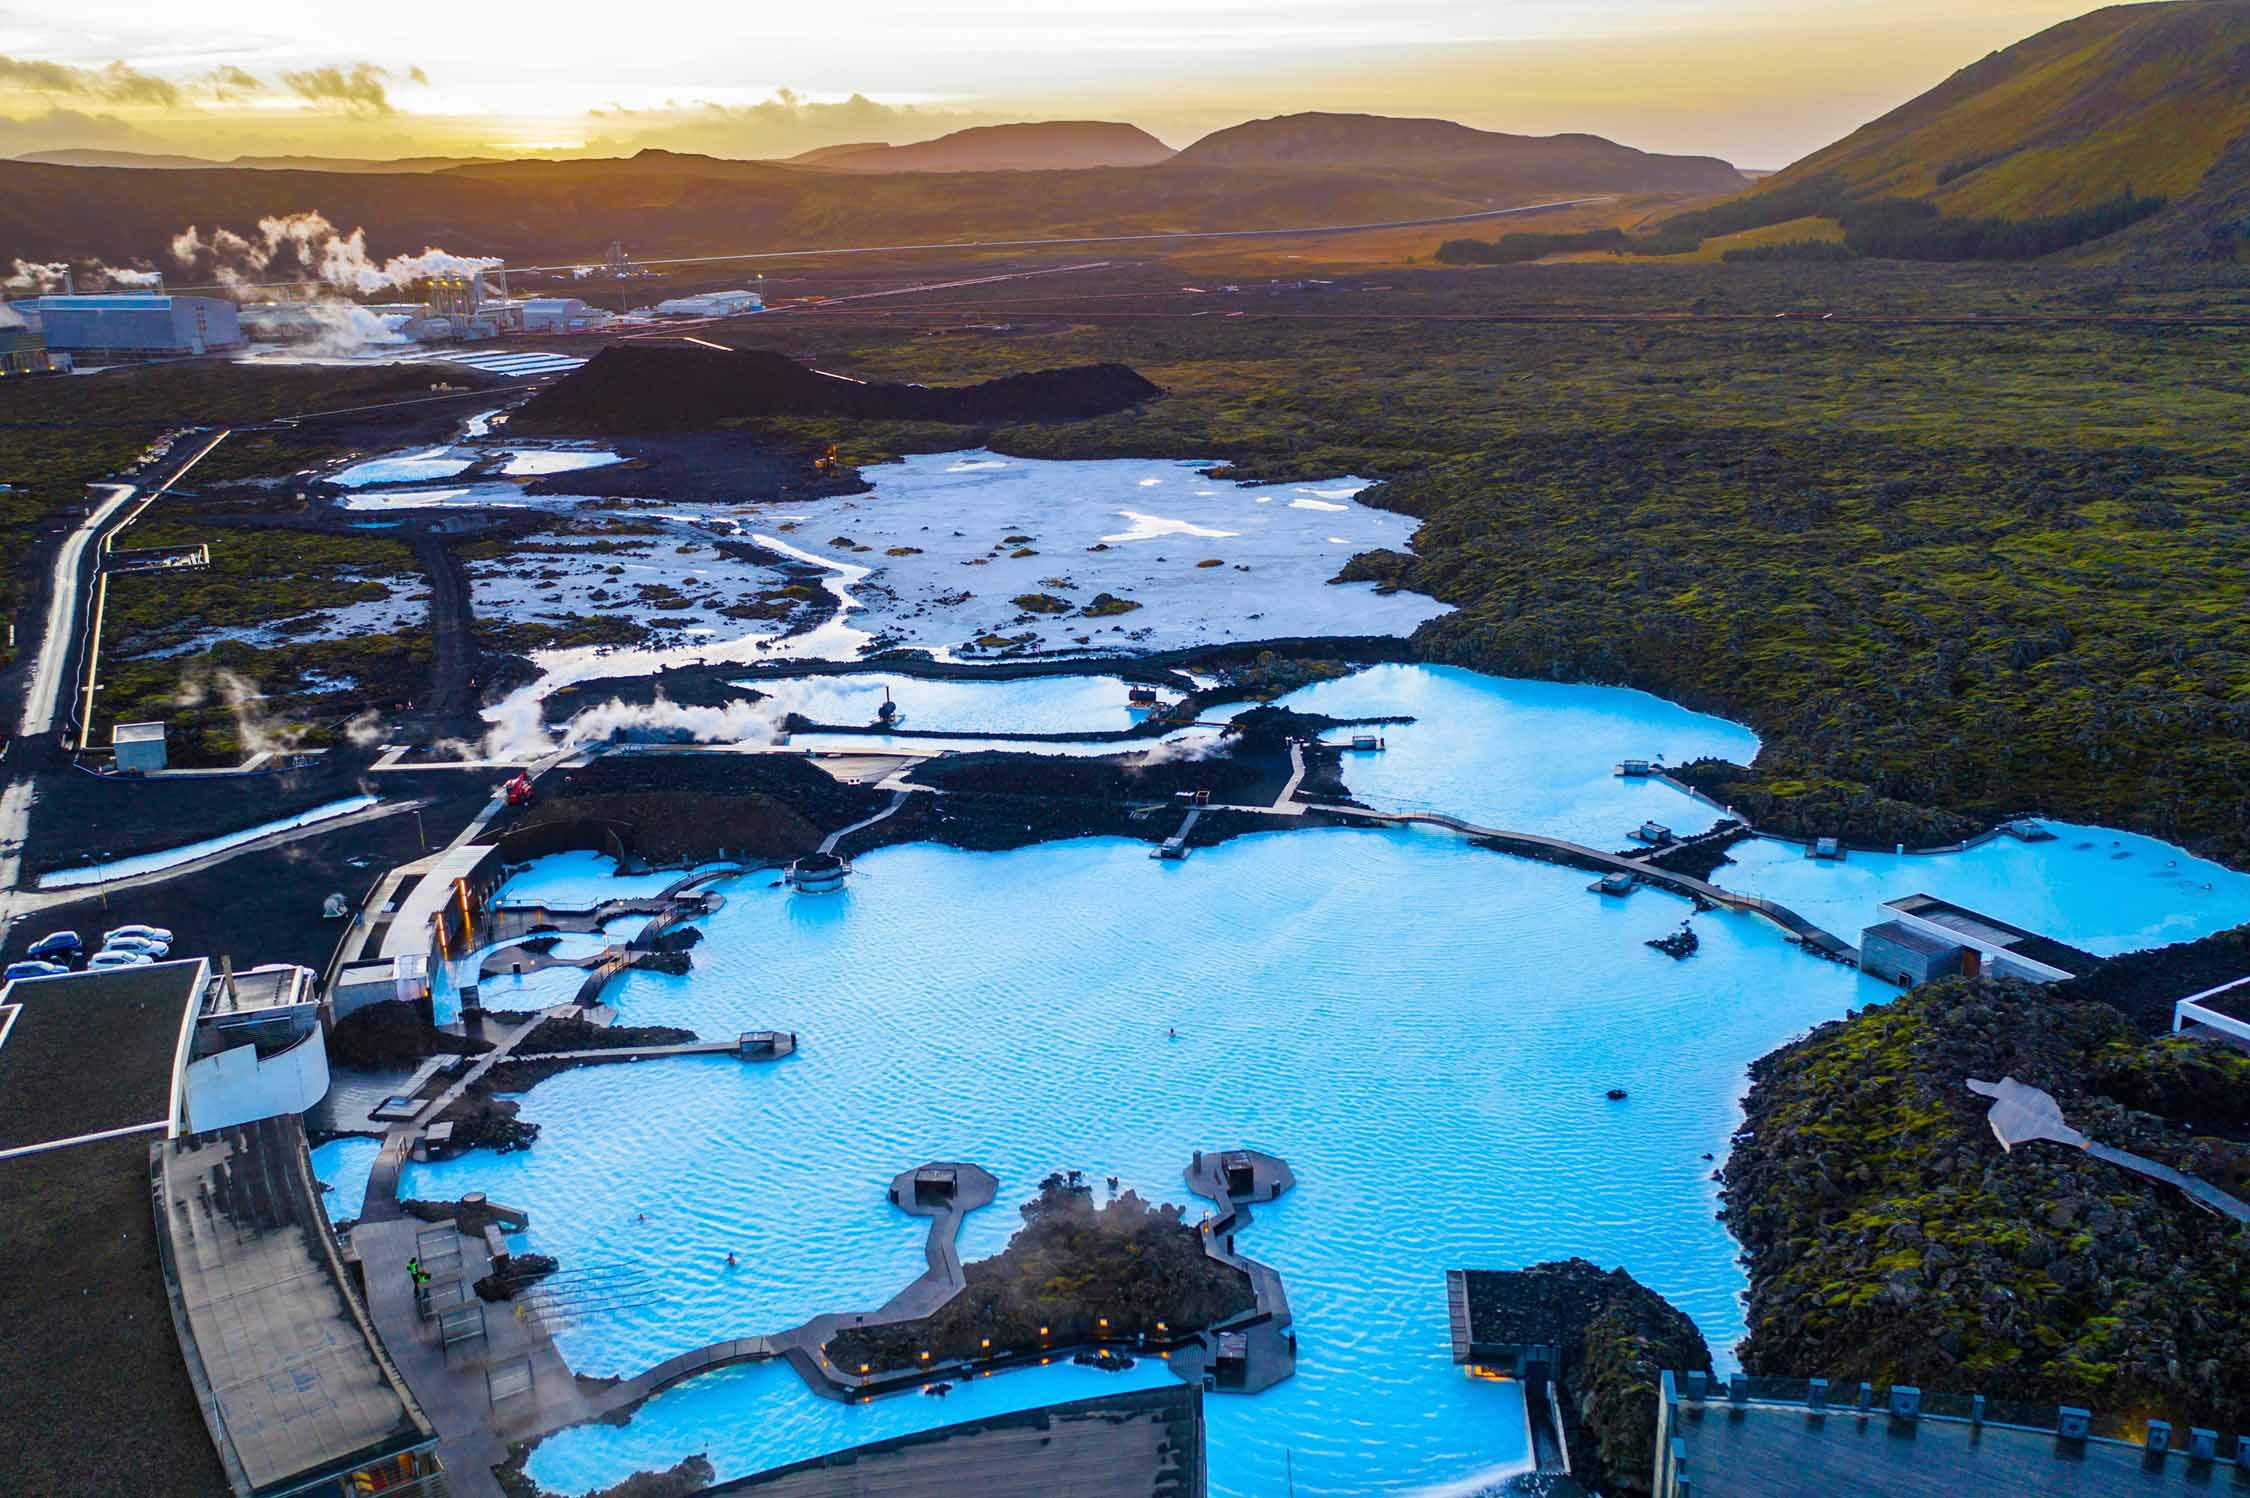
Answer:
(1872, 1399)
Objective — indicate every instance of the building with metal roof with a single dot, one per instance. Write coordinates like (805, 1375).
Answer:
(124, 325)
(1787, 1438)
(1929, 937)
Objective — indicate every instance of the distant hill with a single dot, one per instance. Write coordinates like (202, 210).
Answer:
(2128, 114)
(829, 153)
(1047, 146)
(87, 156)
(146, 161)
(657, 202)
(1443, 148)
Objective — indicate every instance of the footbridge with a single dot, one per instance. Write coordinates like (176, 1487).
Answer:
(1579, 855)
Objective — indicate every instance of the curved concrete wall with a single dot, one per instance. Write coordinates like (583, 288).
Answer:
(238, 1086)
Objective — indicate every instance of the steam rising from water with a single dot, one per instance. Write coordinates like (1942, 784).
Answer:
(521, 733)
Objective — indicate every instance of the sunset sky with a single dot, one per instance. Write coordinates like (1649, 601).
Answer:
(1760, 82)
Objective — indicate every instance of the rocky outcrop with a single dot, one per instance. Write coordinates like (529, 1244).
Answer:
(1074, 1273)
(1889, 1237)
(1803, 808)
(392, 1033)
(1614, 1337)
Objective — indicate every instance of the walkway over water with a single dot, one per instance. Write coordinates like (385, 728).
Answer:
(1579, 855)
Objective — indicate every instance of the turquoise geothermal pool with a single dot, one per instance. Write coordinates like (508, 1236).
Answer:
(1424, 1030)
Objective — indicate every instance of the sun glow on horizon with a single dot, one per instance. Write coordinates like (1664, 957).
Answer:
(1757, 81)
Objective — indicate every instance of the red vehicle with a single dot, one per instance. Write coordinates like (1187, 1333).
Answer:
(518, 790)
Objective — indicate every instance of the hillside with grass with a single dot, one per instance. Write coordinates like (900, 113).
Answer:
(534, 211)
(2145, 98)
(2131, 118)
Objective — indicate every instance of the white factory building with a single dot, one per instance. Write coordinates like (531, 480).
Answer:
(711, 304)
(561, 314)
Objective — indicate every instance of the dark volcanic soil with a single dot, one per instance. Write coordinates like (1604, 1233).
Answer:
(706, 467)
(666, 388)
(265, 907)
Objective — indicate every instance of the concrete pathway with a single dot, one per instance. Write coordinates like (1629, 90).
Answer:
(828, 843)
(2021, 1114)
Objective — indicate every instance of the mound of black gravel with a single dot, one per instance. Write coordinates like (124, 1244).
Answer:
(666, 388)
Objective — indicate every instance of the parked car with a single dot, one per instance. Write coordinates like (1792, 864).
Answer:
(120, 959)
(146, 933)
(56, 944)
(145, 946)
(32, 970)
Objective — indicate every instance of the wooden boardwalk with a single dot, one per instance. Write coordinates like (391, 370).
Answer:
(1579, 855)
(801, 1346)
(1270, 1346)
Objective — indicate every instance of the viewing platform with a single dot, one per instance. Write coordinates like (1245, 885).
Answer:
(1256, 1350)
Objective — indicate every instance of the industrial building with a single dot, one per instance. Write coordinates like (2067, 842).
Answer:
(561, 314)
(138, 747)
(711, 304)
(122, 325)
(1929, 938)
(23, 347)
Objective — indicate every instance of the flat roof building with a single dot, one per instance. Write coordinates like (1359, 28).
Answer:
(139, 326)
(92, 1368)
(293, 1382)
(138, 747)
(711, 304)
(1139, 1444)
(561, 314)
(1927, 933)
(258, 1047)
(212, 1345)
(1784, 1438)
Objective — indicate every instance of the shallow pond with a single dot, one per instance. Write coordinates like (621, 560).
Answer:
(1036, 704)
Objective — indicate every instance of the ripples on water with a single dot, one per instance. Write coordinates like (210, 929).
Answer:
(1424, 1030)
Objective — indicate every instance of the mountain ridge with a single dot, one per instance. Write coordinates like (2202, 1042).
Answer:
(1032, 146)
(1317, 139)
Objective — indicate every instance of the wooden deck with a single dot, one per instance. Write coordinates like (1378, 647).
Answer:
(1579, 855)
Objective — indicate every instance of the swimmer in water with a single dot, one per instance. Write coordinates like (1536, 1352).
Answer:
(730, 1258)
(1171, 1034)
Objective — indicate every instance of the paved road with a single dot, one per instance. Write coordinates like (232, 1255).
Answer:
(48, 683)
(43, 689)
(129, 509)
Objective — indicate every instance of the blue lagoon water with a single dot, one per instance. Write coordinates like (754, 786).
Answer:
(1425, 1030)
(1526, 756)
(2111, 891)
(343, 1166)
